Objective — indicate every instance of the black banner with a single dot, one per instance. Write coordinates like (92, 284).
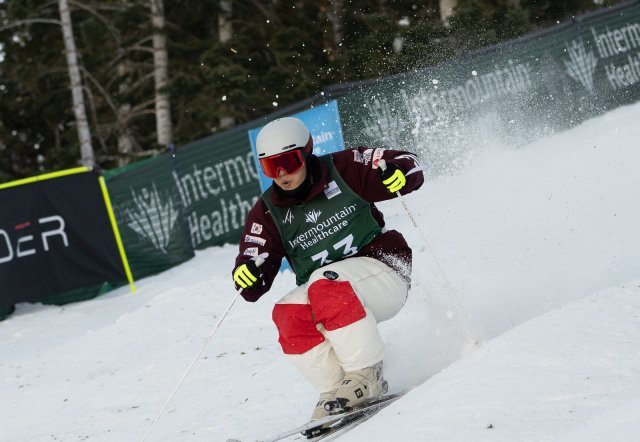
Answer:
(55, 236)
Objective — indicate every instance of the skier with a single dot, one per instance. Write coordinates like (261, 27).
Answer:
(351, 272)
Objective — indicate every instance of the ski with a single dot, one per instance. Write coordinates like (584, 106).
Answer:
(320, 428)
(355, 419)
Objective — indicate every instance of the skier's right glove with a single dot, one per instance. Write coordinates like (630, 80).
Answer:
(392, 176)
(247, 275)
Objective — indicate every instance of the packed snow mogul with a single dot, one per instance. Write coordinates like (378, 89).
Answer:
(351, 272)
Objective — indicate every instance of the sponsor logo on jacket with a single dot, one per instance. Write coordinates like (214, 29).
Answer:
(323, 229)
(288, 219)
(313, 216)
(255, 240)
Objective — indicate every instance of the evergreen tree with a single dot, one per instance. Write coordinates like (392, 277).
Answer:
(478, 23)
(274, 58)
(279, 52)
(546, 12)
(36, 117)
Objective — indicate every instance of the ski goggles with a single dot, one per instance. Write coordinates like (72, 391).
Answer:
(289, 162)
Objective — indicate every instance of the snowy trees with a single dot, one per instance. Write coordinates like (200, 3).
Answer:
(153, 72)
(116, 57)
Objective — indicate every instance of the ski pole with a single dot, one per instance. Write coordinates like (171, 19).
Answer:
(259, 261)
(383, 165)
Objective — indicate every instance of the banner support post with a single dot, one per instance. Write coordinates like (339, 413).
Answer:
(116, 233)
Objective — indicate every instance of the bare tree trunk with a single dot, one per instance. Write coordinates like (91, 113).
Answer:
(225, 27)
(125, 138)
(336, 17)
(87, 157)
(446, 9)
(161, 74)
(225, 32)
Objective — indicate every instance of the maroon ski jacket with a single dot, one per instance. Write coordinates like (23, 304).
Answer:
(358, 168)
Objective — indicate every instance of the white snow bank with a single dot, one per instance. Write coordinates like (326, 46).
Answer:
(571, 373)
(522, 232)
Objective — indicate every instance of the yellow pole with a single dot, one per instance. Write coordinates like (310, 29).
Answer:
(116, 233)
(46, 176)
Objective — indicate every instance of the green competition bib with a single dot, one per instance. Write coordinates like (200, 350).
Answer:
(332, 227)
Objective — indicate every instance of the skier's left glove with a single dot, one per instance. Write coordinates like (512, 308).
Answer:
(247, 275)
(392, 176)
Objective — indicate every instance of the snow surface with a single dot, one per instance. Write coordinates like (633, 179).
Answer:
(538, 258)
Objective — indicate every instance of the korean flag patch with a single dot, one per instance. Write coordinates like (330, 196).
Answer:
(256, 228)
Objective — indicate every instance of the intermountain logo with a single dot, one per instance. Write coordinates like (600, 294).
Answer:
(152, 218)
(581, 64)
(618, 51)
(312, 217)
(320, 231)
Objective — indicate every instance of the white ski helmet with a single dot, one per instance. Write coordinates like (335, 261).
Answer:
(282, 135)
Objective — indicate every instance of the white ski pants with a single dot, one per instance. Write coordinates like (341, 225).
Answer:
(329, 325)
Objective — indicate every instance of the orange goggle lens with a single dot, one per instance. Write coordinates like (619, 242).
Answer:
(289, 162)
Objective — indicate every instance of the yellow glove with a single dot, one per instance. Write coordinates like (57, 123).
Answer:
(247, 275)
(392, 177)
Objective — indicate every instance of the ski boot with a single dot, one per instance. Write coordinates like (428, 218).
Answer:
(358, 387)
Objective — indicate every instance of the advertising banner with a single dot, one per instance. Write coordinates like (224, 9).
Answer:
(217, 183)
(509, 94)
(150, 216)
(57, 236)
